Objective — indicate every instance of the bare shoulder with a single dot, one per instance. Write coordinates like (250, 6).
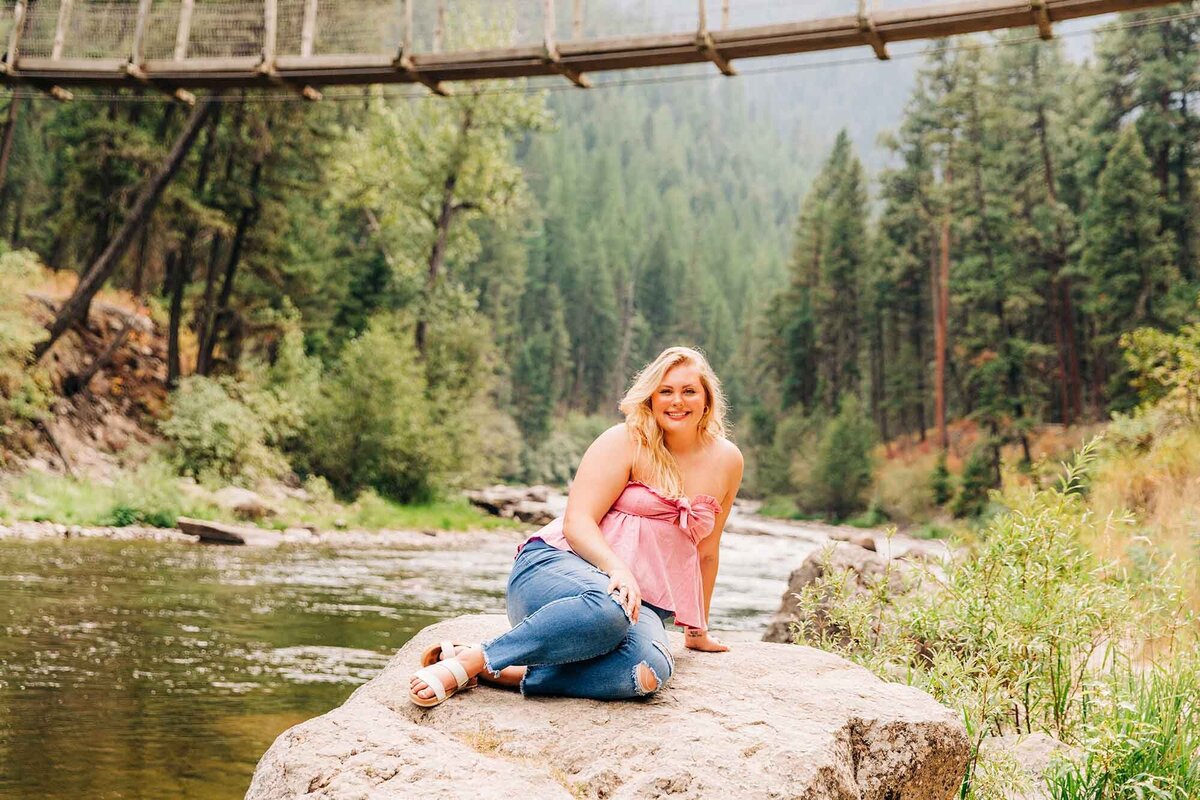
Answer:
(730, 464)
(614, 445)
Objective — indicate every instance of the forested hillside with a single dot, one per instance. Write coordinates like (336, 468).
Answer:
(513, 255)
(1037, 211)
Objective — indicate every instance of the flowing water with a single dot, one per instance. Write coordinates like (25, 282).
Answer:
(152, 670)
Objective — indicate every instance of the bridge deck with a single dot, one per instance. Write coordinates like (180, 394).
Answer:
(253, 60)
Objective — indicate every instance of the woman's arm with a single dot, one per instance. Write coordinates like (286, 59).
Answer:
(599, 481)
(709, 551)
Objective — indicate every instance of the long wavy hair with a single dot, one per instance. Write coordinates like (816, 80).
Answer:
(663, 470)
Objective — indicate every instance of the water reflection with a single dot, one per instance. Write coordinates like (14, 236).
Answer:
(152, 670)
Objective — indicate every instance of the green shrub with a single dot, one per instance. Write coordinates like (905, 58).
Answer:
(978, 479)
(23, 395)
(374, 425)
(214, 432)
(940, 484)
(1020, 633)
(554, 461)
(842, 469)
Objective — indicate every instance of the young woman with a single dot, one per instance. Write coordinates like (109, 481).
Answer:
(590, 592)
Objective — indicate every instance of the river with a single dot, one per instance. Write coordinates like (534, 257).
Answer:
(158, 670)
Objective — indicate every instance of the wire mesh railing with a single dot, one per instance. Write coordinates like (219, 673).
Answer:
(434, 40)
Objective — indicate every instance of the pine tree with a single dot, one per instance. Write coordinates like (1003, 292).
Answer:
(1126, 258)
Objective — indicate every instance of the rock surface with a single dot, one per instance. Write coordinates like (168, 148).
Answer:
(866, 568)
(762, 721)
(536, 505)
(1029, 755)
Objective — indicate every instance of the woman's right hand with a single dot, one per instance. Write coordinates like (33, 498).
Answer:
(625, 590)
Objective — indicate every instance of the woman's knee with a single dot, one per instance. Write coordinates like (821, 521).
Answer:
(607, 620)
(654, 670)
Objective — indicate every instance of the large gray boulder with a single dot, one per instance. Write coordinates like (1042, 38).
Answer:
(762, 721)
(864, 569)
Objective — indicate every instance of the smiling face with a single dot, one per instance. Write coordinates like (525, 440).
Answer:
(679, 399)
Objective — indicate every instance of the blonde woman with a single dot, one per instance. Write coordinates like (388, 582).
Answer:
(589, 593)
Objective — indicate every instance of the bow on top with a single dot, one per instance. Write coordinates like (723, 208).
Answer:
(695, 517)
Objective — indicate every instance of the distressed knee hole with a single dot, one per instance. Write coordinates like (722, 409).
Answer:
(646, 678)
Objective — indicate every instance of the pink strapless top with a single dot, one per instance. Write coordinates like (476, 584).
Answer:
(656, 536)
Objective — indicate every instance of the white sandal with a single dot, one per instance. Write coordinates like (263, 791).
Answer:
(433, 676)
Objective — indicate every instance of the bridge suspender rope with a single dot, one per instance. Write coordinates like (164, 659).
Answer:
(300, 66)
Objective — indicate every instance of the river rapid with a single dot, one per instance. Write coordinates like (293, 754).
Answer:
(164, 670)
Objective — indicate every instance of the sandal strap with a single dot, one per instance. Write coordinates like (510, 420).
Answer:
(448, 650)
(433, 680)
(457, 670)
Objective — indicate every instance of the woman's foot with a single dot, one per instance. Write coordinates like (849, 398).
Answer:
(471, 661)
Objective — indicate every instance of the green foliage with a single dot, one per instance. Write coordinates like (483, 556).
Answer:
(1126, 257)
(22, 393)
(148, 495)
(940, 484)
(554, 461)
(1017, 634)
(842, 464)
(215, 432)
(1144, 744)
(978, 479)
(1166, 368)
(374, 425)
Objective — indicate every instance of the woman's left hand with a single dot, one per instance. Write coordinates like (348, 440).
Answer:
(703, 641)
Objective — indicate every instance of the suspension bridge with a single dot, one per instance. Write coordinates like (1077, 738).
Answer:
(180, 45)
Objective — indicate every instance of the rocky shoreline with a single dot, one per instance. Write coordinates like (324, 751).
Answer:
(46, 531)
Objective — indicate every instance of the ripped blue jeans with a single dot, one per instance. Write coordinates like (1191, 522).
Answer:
(573, 638)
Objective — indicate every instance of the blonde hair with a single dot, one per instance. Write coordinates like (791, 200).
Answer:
(663, 473)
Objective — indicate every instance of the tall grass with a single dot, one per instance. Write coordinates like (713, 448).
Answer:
(1029, 630)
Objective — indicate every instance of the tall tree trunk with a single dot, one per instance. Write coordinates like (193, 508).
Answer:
(10, 127)
(941, 279)
(76, 307)
(446, 213)
(916, 336)
(176, 279)
(1060, 286)
(221, 316)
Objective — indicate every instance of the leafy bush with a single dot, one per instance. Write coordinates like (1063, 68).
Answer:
(978, 479)
(940, 484)
(215, 433)
(240, 428)
(1166, 368)
(554, 461)
(842, 467)
(374, 425)
(1018, 634)
(23, 397)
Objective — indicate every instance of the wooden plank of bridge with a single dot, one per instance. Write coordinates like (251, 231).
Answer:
(184, 32)
(585, 56)
(404, 61)
(60, 29)
(439, 27)
(1041, 18)
(551, 49)
(14, 38)
(308, 29)
(270, 36)
(870, 32)
(704, 41)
